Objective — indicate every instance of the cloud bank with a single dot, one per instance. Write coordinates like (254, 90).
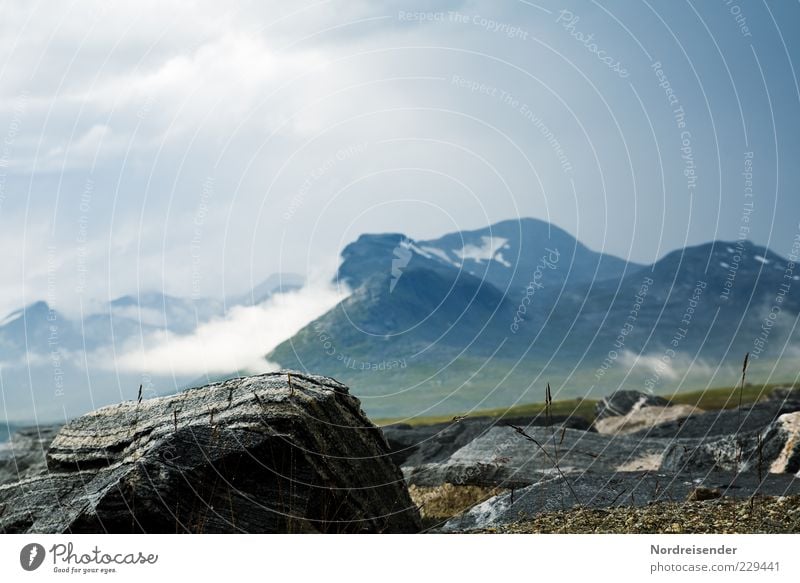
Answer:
(236, 342)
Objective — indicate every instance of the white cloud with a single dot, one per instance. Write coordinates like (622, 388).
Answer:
(238, 341)
(258, 95)
(663, 367)
(95, 144)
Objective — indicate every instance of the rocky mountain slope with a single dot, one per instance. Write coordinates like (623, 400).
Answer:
(472, 318)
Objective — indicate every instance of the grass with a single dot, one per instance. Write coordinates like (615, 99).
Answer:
(708, 399)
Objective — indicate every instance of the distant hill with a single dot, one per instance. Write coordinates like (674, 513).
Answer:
(43, 352)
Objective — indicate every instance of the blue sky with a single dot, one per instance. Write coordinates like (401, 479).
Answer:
(197, 149)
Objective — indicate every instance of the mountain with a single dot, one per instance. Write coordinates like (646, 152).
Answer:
(162, 311)
(49, 360)
(277, 283)
(457, 296)
(505, 255)
(485, 317)
(33, 329)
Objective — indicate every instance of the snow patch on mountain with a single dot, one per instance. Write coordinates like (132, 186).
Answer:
(499, 258)
(488, 250)
(440, 254)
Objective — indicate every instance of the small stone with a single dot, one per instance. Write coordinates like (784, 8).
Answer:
(701, 494)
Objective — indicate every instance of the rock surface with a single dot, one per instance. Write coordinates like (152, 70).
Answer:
(776, 449)
(612, 490)
(24, 453)
(644, 418)
(623, 402)
(416, 445)
(728, 515)
(753, 417)
(504, 458)
(785, 394)
(257, 454)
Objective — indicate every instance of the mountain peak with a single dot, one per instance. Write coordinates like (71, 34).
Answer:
(505, 255)
(36, 309)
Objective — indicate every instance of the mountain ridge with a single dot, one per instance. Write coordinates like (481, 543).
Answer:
(560, 311)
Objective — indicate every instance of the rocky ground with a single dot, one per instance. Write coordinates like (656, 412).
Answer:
(761, 515)
(638, 462)
(288, 452)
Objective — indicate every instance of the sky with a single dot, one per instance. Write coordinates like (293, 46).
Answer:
(198, 147)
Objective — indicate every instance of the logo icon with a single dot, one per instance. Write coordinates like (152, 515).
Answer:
(402, 255)
(31, 556)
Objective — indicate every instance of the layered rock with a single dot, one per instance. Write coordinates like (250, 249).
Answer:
(416, 445)
(776, 449)
(503, 457)
(271, 453)
(753, 417)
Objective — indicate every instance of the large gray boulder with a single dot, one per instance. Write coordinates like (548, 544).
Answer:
(776, 449)
(257, 454)
(595, 490)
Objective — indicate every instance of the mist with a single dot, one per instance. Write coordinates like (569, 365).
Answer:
(236, 342)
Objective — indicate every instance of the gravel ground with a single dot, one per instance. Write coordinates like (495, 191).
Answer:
(438, 504)
(767, 515)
